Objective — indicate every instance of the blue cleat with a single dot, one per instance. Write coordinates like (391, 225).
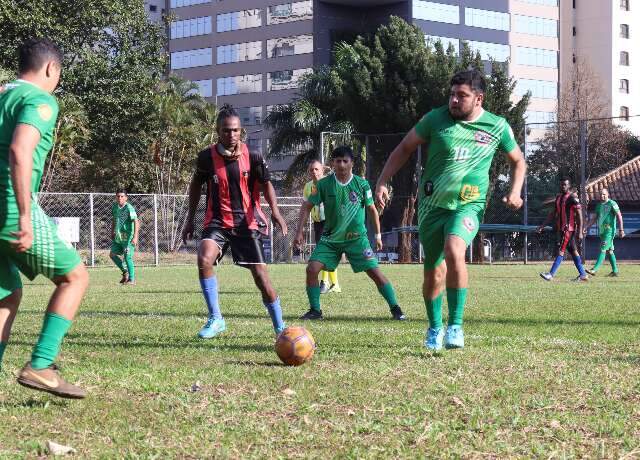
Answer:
(454, 338)
(212, 328)
(434, 339)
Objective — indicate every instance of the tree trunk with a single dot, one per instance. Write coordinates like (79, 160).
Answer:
(405, 246)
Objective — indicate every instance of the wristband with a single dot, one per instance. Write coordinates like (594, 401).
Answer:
(378, 236)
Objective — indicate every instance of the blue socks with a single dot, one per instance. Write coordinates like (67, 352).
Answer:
(556, 265)
(210, 291)
(578, 263)
(275, 312)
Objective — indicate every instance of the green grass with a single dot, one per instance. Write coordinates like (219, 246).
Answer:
(550, 370)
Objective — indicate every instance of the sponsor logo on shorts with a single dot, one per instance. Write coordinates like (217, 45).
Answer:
(353, 197)
(482, 137)
(45, 112)
(352, 235)
(469, 224)
(469, 192)
(368, 253)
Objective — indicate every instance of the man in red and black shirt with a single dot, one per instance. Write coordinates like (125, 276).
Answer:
(567, 218)
(234, 178)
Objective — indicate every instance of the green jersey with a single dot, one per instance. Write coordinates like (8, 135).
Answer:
(24, 102)
(458, 157)
(606, 213)
(123, 222)
(344, 206)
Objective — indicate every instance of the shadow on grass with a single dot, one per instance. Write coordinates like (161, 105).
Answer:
(257, 363)
(555, 322)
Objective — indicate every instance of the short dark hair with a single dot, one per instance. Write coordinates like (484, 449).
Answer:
(342, 151)
(35, 52)
(473, 78)
(565, 178)
(121, 190)
(226, 111)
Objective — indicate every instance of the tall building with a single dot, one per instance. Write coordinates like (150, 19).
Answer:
(155, 9)
(606, 34)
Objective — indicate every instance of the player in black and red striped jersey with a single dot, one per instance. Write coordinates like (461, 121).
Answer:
(235, 178)
(568, 223)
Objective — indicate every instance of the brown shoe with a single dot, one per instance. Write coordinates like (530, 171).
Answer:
(125, 278)
(49, 380)
(130, 283)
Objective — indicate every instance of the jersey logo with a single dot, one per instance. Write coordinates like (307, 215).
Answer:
(368, 253)
(482, 137)
(245, 173)
(469, 192)
(469, 224)
(352, 235)
(45, 112)
(353, 197)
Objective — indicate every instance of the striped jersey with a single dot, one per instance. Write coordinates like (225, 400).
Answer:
(566, 206)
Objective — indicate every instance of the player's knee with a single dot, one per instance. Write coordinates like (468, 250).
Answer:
(79, 277)
(12, 301)
(205, 260)
(454, 254)
(313, 269)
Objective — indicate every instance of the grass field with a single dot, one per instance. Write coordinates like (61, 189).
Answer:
(550, 370)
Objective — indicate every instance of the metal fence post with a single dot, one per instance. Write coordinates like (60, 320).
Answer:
(155, 230)
(92, 238)
(271, 233)
(525, 210)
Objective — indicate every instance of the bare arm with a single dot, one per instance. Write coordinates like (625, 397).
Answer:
(271, 199)
(195, 190)
(372, 212)
(396, 160)
(518, 169)
(24, 141)
(620, 224)
(136, 229)
(303, 217)
(580, 225)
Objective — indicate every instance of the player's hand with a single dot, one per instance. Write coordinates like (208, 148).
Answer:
(512, 201)
(580, 236)
(382, 196)
(187, 231)
(540, 229)
(134, 243)
(621, 233)
(24, 237)
(280, 222)
(299, 239)
(379, 244)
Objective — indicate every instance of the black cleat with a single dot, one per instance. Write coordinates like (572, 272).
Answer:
(591, 272)
(312, 314)
(613, 274)
(397, 314)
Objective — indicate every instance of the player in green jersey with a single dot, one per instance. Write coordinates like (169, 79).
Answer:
(28, 239)
(345, 197)
(461, 140)
(607, 213)
(125, 227)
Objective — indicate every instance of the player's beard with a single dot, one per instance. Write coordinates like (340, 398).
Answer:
(459, 114)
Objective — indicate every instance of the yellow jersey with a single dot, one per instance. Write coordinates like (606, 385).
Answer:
(317, 212)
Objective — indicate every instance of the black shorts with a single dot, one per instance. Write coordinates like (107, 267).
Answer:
(318, 228)
(566, 240)
(246, 245)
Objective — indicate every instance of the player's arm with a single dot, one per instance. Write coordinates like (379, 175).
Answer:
(23, 144)
(270, 197)
(620, 224)
(518, 169)
(396, 160)
(303, 217)
(547, 220)
(136, 230)
(195, 191)
(580, 221)
(374, 218)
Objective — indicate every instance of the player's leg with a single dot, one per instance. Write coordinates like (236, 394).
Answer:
(270, 298)
(600, 259)
(115, 255)
(614, 263)
(210, 251)
(128, 259)
(318, 228)
(562, 240)
(577, 260)
(334, 286)
(385, 288)
(10, 296)
(325, 256)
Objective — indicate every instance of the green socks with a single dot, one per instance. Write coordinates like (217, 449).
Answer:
(128, 258)
(3, 345)
(614, 263)
(456, 298)
(54, 329)
(313, 292)
(434, 311)
(599, 261)
(389, 294)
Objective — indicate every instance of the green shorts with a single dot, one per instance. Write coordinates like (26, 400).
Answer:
(438, 223)
(122, 249)
(49, 255)
(359, 253)
(606, 241)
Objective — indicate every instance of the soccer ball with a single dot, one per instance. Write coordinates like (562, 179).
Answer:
(295, 346)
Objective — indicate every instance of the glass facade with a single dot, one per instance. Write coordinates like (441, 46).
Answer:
(496, 51)
(250, 116)
(533, 25)
(239, 52)
(240, 84)
(534, 116)
(437, 12)
(191, 58)
(537, 57)
(205, 87)
(290, 12)
(179, 3)
(285, 79)
(289, 46)
(446, 41)
(486, 19)
(541, 89)
(191, 27)
(239, 20)
(624, 58)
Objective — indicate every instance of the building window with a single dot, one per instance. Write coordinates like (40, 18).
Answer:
(239, 52)
(179, 3)
(239, 20)
(541, 89)
(205, 88)
(437, 12)
(533, 25)
(250, 116)
(240, 84)
(624, 5)
(624, 86)
(191, 27)
(486, 19)
(191, 58)
(290, 12)
(542, 2)
(624, 30)
(534, 116)
(431, 40)
(285, 79)
(624, 58)
(537, 57)
(153, 8)
(289, 46)
(495, 51)
(254, 145)
(624, 113)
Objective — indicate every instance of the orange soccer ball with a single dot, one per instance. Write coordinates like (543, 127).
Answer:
(295, 346)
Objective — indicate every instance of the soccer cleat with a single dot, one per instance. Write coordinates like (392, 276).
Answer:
(334, 288)
(613, 274)
(49, 380)
(454, 337)
(125, 278)
(591, 272)
(434, 339)
(397, 314)
(212, 328)
(323, 287)
(279, 330)
(581, 278)
(546, 276)
(130, 283)
(312, 314)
